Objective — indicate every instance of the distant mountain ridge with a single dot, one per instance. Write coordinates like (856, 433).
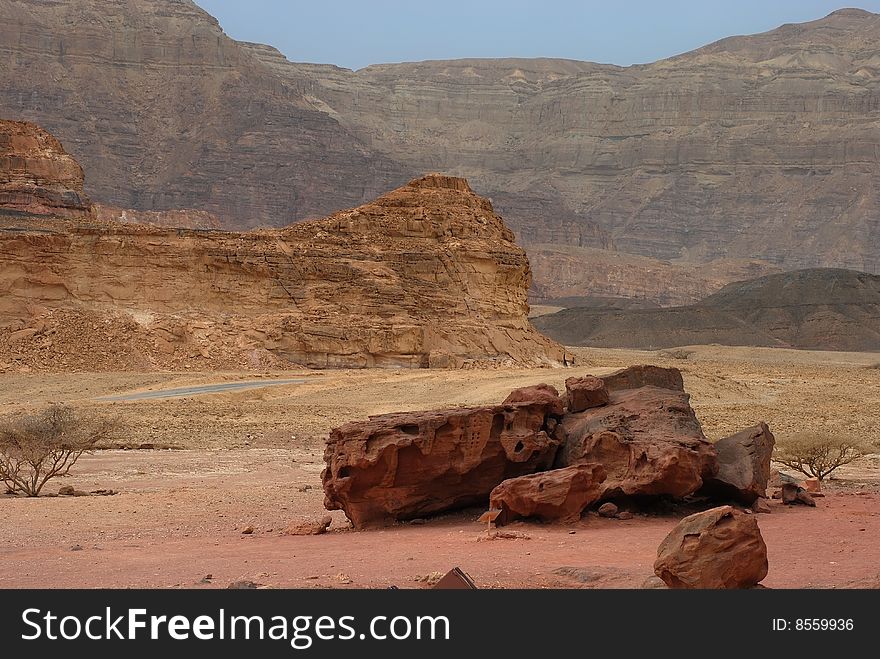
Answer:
(817, 309)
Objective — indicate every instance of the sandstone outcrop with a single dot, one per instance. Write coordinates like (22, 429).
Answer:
(743, 465)
(560, 494)
(718, 548)
(584, 393)
(539, 393)
(647, 437)
(427, 275)
(37, 176)
(403, 466)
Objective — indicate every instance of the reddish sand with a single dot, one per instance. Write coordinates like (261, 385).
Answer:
(180, 514)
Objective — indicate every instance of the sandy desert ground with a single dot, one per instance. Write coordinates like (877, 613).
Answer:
(198, 470)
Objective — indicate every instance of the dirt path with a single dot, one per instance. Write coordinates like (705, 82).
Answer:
(200, 390)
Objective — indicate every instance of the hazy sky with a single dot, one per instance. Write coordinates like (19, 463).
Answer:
(355, 33)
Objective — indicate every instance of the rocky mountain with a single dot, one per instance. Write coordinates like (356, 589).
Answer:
(427, 275)
(762, 147)
(166, 112)
(816, 309)
(749, 155)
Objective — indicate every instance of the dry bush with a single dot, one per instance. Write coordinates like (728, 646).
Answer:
(817, 454)
(37, 448)
(875, 365)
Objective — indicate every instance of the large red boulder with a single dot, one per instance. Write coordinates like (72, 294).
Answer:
(402, 466)
(743, 465)
(560, 494)
(647, 437)
(718, 548)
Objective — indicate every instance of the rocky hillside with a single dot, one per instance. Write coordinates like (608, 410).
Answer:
(817, 309)
(761, 147)
(426, 275)
(750, 155)
(164, 111)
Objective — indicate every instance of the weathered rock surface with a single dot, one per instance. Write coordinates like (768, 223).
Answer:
(718, 548)
(402, 466)
(425, 276)
(539, 393)
(743, 464)
(643, 375)
(165, 111)
(814, 309)
(647, 437)
(181, 218)
(681, 159)
(567, 271)
(684, 162)
(37, 176)
(559, 494)
(584, 393)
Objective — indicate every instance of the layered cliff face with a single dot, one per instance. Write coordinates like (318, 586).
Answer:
(763, 147)
(425, 276)
(759, 148)
(164, 111)
(37, 177)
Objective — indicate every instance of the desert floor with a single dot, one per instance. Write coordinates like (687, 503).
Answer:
(193, 472)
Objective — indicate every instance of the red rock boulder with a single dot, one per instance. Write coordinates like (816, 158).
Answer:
(743, 465)
(718, 548)
(647, 437)
(402, 466)
(539, 393)
(585, 393)
(560, 494)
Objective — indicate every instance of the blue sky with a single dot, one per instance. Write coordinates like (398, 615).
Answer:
(356, 33)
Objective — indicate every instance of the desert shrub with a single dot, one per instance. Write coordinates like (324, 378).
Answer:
(39, 447)
(875, 365)
(817, 454)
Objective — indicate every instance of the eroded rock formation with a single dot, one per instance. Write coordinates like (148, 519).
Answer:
(528, 457)
(37, 176)
(717, 548)
(647, 437)
(401, 466)
(427, 275)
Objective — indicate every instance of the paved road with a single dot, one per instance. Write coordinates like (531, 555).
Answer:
(202, 390)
